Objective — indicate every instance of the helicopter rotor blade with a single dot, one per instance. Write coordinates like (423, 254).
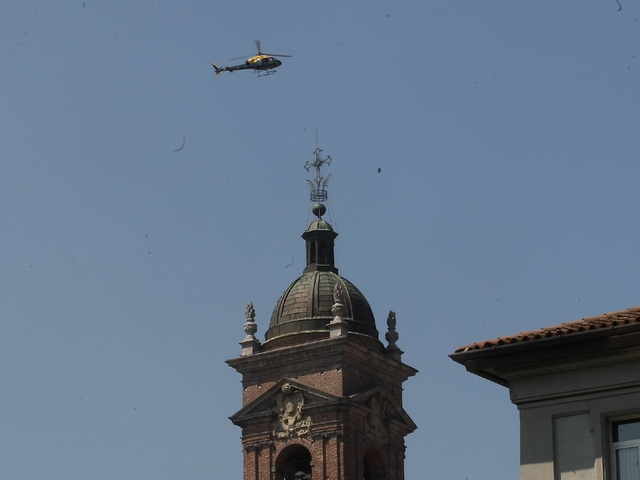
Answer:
(260, 52)
(276, 55)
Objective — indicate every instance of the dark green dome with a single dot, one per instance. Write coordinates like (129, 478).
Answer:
(319, 224)
(306, 307)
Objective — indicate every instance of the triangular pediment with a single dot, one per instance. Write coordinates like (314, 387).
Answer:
(383, 406)
(271, 401)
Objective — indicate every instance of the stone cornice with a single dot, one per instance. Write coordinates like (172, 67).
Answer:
(333, 351)
(260, 445)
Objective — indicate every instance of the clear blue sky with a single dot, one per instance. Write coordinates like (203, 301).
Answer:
(507, 135)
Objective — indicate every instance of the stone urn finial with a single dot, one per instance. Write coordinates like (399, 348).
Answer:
(250, 327)
(392, 337)
(338, 327)
(250, 344)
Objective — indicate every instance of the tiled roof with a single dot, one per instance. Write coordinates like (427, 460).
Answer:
(608, 320)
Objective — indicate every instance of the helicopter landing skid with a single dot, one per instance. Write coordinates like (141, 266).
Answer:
(268, 72)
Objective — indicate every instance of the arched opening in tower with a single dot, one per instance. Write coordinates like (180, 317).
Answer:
(294, 463)
(322, 255)
(373, 466)
(312, 252)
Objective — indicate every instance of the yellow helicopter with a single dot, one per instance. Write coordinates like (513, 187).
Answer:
(263, 64)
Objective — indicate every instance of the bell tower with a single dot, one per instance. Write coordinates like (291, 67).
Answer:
(322, 396)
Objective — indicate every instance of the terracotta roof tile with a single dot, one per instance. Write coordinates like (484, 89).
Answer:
(608, 320)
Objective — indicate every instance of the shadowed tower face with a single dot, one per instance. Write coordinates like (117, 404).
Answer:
(322, 396)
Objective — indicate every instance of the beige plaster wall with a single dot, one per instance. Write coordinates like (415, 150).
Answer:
(564, 420)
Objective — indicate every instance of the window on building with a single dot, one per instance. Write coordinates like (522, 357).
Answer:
(625, 436)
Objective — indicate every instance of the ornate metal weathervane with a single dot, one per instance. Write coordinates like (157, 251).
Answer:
(319, 184)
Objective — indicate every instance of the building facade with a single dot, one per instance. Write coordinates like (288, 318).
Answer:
(577, 389)
(322, 396)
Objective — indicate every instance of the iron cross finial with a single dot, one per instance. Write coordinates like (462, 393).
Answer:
(319, 184)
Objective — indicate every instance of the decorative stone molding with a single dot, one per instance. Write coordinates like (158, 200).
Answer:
(397, 450)
(290, 421)
(326, 435)
(257, 446)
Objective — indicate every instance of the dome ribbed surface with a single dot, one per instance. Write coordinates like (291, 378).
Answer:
(319, 224)
(306, 307)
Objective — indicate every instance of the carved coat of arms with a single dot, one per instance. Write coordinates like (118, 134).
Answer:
(290, 421)
(375, 421)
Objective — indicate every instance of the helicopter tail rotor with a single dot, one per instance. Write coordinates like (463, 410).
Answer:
(218, 70)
